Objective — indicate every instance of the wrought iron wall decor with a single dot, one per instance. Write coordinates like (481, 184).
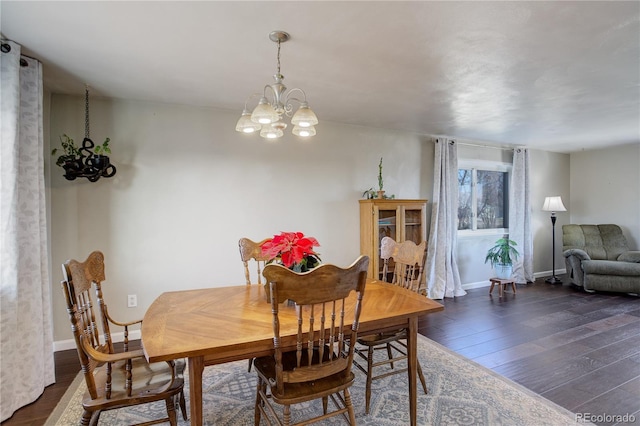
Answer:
(87, 160)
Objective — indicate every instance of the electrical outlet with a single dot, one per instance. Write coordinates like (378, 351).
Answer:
(132, 301)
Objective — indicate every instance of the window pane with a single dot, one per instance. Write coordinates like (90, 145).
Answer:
(491, 206)
(465, 213)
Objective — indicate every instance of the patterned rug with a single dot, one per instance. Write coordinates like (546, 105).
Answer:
(461, 392)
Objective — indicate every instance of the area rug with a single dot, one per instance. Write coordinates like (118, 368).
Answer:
(461, 392)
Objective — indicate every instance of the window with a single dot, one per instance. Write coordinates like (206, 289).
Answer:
(483, 197)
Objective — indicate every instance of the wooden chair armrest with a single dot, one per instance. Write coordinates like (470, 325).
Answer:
(103, 357)
(122, 324)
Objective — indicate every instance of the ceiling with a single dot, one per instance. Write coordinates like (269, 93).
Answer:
(556, 76)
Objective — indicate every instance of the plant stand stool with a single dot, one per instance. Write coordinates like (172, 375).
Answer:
(502, 284)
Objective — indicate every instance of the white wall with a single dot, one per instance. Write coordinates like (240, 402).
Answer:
(605, 188)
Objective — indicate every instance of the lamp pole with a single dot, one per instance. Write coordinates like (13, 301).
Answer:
(553, 279)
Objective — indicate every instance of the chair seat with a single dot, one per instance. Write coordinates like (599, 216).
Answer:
(382, 338)
(148, 381)
(303, 391)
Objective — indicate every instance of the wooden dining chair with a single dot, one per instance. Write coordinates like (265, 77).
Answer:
(403, 265)
(114, 379)
(316, 363)
(252, 251)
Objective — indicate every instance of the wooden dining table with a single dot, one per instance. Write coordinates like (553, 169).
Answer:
(223, 324)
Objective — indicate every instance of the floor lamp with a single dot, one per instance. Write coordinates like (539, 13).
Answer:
(553, 205)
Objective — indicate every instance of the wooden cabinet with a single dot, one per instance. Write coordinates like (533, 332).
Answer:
(401, 220)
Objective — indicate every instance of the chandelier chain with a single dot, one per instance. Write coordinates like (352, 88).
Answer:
(86, 112)
(278, 57)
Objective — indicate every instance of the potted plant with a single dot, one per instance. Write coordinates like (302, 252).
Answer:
(70, 151)
(380, 182)
(501, 257)
(71, 159)
(99, 159)
(292, 250)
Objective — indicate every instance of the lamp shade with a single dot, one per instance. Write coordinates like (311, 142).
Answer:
(304, 117)
(245, 125)
(304, 132)
(264, 113)
(553, 204)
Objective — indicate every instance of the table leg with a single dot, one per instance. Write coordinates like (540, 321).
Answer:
(196, 367)
(412, 352)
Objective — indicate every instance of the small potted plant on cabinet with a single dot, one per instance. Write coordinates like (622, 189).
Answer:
(380, 181)
(501, 257)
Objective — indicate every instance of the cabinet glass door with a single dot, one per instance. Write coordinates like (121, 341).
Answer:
(413, 225)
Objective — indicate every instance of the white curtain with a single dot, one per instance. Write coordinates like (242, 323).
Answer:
(443, 277)
(520, 216)
(26, 349)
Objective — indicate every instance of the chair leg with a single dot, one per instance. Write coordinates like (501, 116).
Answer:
(171, 411)
(86, 418)
(369, 379)
(95, 416)
(422, 380)
(349, 405)
(287, 415)
(325, 404)
(250, 363)
(389, 353)
(183, 405)
(256, 415)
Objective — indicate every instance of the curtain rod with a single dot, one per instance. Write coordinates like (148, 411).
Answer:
(485, 146)
(6, 48)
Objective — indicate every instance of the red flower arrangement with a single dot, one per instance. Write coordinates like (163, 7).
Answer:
(293, 250)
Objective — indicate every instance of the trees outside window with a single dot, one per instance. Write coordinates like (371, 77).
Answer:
(483, 199)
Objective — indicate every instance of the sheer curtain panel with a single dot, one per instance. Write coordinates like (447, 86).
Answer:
(520, 216)
(26, 349)
(443, 277)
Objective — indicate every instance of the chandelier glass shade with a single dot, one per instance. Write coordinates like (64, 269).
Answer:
(275, 103)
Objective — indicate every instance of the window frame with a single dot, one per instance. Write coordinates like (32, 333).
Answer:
(492, 166)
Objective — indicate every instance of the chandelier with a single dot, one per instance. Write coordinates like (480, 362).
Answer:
(274, 103)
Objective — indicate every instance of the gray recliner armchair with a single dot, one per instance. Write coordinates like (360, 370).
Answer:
(598, 258)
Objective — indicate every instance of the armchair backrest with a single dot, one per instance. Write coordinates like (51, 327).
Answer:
(79, 277)
(600, 242)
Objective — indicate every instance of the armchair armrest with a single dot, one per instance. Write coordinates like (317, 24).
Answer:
(580, 254)
(105, 357)
(118, 323)
(630, 256)
(122, 324)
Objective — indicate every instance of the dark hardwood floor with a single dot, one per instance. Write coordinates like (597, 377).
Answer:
(580, 350)
(577, 349)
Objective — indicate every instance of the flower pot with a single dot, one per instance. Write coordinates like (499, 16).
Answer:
(503, 270)
(380, 195)
(98, 162)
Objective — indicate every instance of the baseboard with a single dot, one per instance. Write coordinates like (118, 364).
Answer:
(63, 345)
(536, 275)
